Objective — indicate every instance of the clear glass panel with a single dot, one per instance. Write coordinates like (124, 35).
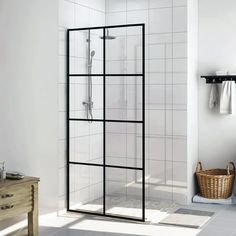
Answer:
(124, 192)
(86, 188)
(124, 98)
(86, 142)
(124, 50)
(124, 144)
(82, 90)
(86, 51)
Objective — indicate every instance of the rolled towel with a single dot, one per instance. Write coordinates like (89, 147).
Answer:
(214, 96)
(227, 101)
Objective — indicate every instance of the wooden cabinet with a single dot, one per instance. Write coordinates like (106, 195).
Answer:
(19, 197)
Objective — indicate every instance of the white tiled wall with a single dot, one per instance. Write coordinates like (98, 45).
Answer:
(166, 90)
(166, 94)
(86, 143)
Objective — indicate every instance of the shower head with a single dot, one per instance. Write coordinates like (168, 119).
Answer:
(108, 36)
(92, 53)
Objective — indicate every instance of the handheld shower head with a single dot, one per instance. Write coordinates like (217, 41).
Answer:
(92, 53)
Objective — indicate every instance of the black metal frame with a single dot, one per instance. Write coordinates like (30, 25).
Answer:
(142, 122)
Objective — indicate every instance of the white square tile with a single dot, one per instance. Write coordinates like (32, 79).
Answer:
(115, 174)
(157, 65)
(180, 123)
(180, 174)
(99, 5)
(96, 18)
(116, 18)
(180, 19)
(157, 172)
(157, 149)
(134, 47)
(160, 3)
(157, 94)
(82, 177)
(169, 149)
(180, 37)
(82, 17)
(96, 148)
(169, 174)
(137, 5)
(180, 78)
(169, 122)
(134, 146)
(156, 19)
(179, 50)
(157, 122)
(180, 94)
(156, 78)
(66, 14)
(179, 2)
(168, 77)
(157, 51)
(180, 150)
(136, 17)
(115, 145)
(114, 5)
(82, 2)
(169, 94)
(180, 65)
(96, 175)
(169, 65)
(160, 38)
(81, 149)
(117, 50)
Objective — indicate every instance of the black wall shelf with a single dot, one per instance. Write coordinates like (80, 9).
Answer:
(215, 79)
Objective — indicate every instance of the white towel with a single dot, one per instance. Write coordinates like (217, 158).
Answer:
(199, 199)
(214, 96)
(227, 105)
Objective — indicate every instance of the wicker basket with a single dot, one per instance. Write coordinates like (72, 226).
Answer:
(216, 183)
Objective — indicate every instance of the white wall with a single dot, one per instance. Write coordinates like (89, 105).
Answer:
(28, 92)
(217, 50)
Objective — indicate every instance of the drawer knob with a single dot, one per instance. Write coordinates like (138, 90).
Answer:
(7, 195)
(7, 207)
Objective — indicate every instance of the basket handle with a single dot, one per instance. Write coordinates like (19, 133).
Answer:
(228, 167)
(199, 166)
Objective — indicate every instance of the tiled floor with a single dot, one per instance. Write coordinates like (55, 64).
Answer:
(223, 223)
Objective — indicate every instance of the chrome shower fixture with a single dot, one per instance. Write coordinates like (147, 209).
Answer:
(108, 36)
(89, 103)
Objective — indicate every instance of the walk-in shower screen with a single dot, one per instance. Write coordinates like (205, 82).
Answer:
(106, 121)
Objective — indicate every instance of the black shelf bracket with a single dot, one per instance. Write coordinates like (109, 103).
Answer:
(216, 79)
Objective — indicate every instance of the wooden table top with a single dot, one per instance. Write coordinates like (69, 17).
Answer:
(10, 182)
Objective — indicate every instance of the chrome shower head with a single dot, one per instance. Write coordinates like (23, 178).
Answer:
(108, 36)
(93, 53)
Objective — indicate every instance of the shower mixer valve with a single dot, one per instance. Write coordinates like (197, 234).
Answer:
(89, 104)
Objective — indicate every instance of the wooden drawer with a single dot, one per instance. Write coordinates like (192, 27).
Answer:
(15, 201)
